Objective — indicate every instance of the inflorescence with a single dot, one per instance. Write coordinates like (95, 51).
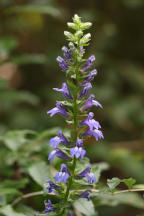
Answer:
(74, 109)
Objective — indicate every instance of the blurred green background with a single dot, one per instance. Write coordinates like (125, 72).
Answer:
(31, 37)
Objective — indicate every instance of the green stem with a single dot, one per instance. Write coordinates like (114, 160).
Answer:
(75, 135)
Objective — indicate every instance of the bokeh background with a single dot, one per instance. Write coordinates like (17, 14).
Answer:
(31, 37)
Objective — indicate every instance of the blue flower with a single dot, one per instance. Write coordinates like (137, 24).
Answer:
(58, 109)
(90, 76)
(96, 133)
(62, 63)
(51, 187)
(48, 207)
(57, 153)
(90, 122)
(90, 102)
(85, 194)
(78, 151)
(88, 175)
(55, 141)
(64, 90)
(88, 64)
(63, 175)
(85, 90)
(66, 53)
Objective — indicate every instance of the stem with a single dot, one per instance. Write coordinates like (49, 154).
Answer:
(75, 116)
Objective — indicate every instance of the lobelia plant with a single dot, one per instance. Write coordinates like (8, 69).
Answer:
(75, 109)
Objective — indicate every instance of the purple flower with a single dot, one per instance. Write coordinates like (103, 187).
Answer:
(66, 53)
(84, 173)
(69, 214)
(64, 90)
(59, 139)
(85, 90)
(63, 175)
(88, 175)
(85, 194)
(88, 64)
(48, 207)
(58, 109)
(90, 122)
(78, 151)
(51, 187)
(57, 153)
(90, 76)
(90, 102)
(62, 63)
(96, 133)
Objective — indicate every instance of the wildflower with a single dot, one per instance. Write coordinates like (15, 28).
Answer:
(62, 63)
(90, 76)
(66, 53)
(90, 102)
(64, 90)
(88, 64)
(48, 207)
(63, 175)
(96, 133)
(85, 194)
(51, 187)
(90, 122)
(78, 151)
(88, 175)
(58, 109)
(57, 153)
(85, 90)
(55, 141)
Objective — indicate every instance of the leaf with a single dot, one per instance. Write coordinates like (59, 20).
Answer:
(15, 139)
(130, 198)
(129, 182)
(26, 210)
(39, 172)
(113, 183)
(2, 200)
(84, 206)
(8, 211)
(29, 59)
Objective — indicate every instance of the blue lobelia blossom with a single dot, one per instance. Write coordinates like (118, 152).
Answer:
(58, 109)
(85, 194)
(88, 64)
(48, 207)
(51, 187)
(66, 53)
(62, 63)
(88, 175)
(64, 90)
(78, 151)
(63, 175)
(90, 122)
(57, 153)
(90, 102)
(55, 141)
(90, 76)
(96, 133)
(85, 90)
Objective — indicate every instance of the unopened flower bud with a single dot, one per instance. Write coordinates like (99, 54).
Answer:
(85, 38)
(68, 35)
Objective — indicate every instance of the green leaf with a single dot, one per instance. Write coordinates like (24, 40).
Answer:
(129, 182)
(15, 139)
(2, 200)
(9, 211)
(84, 206)
(113, 183)
(29, 59)
(39, 172)
(26, 210)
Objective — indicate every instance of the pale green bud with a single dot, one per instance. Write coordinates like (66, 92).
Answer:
(78, 34)
(71, 25)
(85, 38)
(86, 25)
(76, 19)
(69, 35)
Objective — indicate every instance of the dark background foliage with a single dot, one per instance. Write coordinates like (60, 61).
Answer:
(31, 37)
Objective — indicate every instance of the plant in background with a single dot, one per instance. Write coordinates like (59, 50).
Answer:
(75, 177)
